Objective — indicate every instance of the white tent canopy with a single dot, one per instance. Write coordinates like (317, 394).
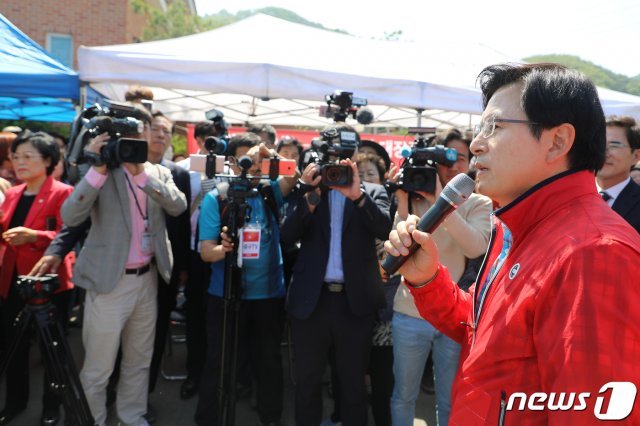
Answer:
(264, 69)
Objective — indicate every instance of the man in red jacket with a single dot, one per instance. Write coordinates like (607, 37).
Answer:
(550, 332)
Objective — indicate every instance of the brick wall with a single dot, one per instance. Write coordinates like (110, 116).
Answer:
(89, 22)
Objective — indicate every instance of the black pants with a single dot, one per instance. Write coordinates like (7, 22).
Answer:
(381, 372)
(195, 294)
(166, 303)
(332, 324)
(259, 331)
(17, 373)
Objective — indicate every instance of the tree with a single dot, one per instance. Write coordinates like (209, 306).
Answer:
(176, 21)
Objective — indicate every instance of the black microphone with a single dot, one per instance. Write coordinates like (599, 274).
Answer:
(364, 116)
(456, 192)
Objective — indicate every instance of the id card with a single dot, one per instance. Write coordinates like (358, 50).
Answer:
(251, 243)
(147, 243)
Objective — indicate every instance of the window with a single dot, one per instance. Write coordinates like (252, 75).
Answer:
(60, 46)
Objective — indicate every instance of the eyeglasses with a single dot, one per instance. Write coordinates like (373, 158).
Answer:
(486, 127)
(615, 145)
(27, 157)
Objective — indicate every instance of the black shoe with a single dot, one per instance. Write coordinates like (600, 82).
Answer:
(9, 414)
(188, 389)
(150, 415)
(50, 417)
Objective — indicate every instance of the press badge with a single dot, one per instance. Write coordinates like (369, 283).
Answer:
(147, 243)
(250, 242)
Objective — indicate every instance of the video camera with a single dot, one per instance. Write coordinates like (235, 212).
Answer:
(39, 289)
(418, 172)
(341, 104)
(118, 120)
(335, 144)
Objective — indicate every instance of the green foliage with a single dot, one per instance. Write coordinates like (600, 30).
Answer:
(35, 126)
(599, 75)
(179, 144)
(176, 21)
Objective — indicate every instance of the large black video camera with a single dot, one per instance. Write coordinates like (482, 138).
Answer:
(418, 172)
(335, 144)
(341, 104)
(118, 120)
(37, 289)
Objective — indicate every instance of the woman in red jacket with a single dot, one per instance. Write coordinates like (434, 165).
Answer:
(29, 220)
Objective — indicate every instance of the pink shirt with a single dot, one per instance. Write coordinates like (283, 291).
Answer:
(136, 257)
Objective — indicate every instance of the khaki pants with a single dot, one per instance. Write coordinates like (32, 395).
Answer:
(126, 318)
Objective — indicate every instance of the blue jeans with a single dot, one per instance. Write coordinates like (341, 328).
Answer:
(413, 338)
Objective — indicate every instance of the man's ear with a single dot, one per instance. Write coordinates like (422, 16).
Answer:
(562, 138)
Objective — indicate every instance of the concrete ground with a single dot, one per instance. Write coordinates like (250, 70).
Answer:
(170, 409)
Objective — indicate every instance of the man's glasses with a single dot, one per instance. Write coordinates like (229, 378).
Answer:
(486, 127)
(615, 145)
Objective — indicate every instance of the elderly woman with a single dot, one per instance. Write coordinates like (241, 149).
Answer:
(29, 220)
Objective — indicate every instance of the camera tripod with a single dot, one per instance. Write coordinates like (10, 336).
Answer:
(58, 362)
(238, 212)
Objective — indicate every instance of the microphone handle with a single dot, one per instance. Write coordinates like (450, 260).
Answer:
(428, 223)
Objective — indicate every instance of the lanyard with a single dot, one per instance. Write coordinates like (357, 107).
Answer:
(144, 218)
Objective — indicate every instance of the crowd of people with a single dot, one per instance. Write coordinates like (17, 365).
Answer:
(524, 288)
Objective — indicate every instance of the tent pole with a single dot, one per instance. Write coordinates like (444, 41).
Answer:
(83, 97)
(419, 112)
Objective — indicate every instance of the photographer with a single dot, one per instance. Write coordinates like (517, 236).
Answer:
(30, 219)
(126, 245)
(336, 288)
(464, 235)
(263, 291)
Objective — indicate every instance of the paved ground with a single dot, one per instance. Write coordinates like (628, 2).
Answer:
(171, 410)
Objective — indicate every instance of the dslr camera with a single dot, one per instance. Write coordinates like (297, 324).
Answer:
(37, 289)
(335, 144)
(418, 172)
(117, 119)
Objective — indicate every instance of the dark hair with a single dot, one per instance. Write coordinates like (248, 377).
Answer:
(138, 93)
(206, 128)
(157, 114)
(43, 143)
(552, 95)
(289, 141)
(630, 126)
(57, 135)
(242, 139)
(450, 136)
(376, 160)
(141, 113)
(263, 128)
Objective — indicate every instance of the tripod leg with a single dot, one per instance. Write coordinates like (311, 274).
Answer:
(60, 366)
(21, 325)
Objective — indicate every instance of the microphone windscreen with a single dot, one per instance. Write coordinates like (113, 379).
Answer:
(364, 116)
(459, 189)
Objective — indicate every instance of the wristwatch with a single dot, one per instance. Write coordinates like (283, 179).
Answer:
(313, 198)
(358, 200)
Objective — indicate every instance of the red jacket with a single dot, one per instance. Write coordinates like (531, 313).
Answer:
(561, 315)
(46, 205)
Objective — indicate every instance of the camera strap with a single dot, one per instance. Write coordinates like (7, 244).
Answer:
(145, 218)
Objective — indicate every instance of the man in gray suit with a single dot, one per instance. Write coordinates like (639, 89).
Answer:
(126, 245)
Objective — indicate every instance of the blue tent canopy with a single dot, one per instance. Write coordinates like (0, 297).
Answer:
(33, 85)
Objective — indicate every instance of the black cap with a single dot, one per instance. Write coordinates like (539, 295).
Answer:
(379, 150)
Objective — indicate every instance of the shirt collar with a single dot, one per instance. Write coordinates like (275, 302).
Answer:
(615, 190)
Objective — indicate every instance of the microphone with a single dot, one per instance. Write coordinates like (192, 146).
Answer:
(456, 192)
(364, 116)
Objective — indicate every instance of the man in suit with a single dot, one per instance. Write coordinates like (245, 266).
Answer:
(613, 179)
(117, 266)
(336, 287)
(178, 230)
